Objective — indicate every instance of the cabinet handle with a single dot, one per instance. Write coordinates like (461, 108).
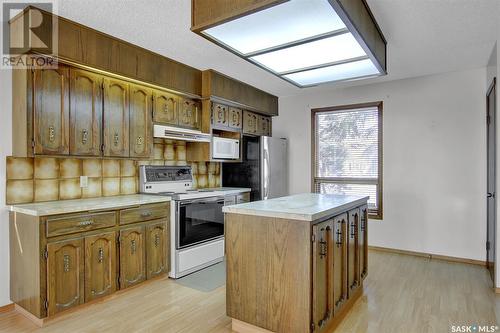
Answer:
(85, 223)
(139, 140)
(322, 249)
(133, 246)
(339, 237)
(146, 214)
(100, 255)
(157, 240)
(116, 139)
(85, 136)
(66, 263)
(52, 134)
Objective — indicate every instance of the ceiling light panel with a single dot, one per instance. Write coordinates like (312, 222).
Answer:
(357, 69)
(278, 25)
(324, 51)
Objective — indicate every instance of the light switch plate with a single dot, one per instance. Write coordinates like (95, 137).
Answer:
(84, 181)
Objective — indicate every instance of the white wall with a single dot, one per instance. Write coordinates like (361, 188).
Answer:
(5, 150)
(434, 159)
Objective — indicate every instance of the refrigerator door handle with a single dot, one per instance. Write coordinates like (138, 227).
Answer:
(266, 171)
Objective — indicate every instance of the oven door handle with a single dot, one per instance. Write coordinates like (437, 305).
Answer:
(202, 201)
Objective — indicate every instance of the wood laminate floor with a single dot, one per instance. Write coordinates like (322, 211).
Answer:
(402, 294)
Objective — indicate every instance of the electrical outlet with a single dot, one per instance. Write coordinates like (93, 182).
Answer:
(84, 181)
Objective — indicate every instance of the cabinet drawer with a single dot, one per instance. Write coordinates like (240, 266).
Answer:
(70, 224)
(144, 213)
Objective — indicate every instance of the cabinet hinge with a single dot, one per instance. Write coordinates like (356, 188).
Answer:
(46, 254)
(102, 85)
(313, 239)
(488, 245)
(313, 327)
(102, 147)
(488, 119)
(46, 304)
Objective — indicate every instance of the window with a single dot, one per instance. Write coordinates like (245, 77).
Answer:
(347, 152)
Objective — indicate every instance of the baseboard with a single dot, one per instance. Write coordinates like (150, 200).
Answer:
(7, 308)
(429, 256)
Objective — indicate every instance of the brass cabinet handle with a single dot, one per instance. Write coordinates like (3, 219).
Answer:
(133, 246)
(100, 255)
(139, 140)
(85, 223)
(157, 240)
(52, 134)
(66, 263)
(146, 214)
(116, 139)
(85, 136)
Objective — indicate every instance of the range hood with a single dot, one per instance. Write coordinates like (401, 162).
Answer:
(183, 134)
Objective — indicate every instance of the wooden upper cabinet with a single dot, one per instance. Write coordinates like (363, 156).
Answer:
(51, 111)
(219, 114)
(250, 122)
(85, 113)
(264, 126)
(353, 251)
(235, 119)
(65, 275)
(116, 118)
(339, 261)
(363, 242)
(165, 108)
(141, 135)
(190, 113)
(323, 304)
(132, 256)
(100, 265)
(157, 249)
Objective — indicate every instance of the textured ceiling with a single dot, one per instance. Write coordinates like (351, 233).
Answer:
(424, 36)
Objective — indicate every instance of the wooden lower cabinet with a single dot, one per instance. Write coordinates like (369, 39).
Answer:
(132, 256)
(353, 251)
(157, 249)
(100, 265)
(363, 242)
(339, 261)
(65, 275)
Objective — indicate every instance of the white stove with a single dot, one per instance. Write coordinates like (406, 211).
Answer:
(196, 218)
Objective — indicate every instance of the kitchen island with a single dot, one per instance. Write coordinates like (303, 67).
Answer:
(296, 263)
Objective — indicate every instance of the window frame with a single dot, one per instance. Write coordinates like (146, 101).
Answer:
(372, 214)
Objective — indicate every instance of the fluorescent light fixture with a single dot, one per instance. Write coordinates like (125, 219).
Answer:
(294, 20)
(324, 51)
(302, 41)
(350, 70)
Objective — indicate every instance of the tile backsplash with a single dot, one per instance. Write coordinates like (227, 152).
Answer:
(38, 179)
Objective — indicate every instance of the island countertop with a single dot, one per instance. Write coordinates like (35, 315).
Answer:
(304, 206)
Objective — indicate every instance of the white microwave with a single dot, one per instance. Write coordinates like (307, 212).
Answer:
(226, 149)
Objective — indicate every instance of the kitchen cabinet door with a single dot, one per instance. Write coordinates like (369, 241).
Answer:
(51, 111)
(116, 118)
(100, 265)
(353, 251)
(323, 307)
(190, 113)
(340, 262)
(165, 108)
(250, 122)
(141, 135)
(65, 275)
(85, 113)
(235, 118)
(132, 256)
(219, 115)
(363, 242)
(157, 249)
(264, 126)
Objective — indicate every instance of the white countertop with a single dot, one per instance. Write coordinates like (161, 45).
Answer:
(305, 206)
(81, 205)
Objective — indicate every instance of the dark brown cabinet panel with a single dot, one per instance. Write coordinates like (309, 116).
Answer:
(353, 251)
(235, 118)
(323, 307)
(363, 242)
(85, 113)
(157, 246)
(190, 113)
(339, 261)
(141, 135)
(132, 256)
(100, 265)
(165, 108)
(116, 118)
(51, 111)
(65, 275)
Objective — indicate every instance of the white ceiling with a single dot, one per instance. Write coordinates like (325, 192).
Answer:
(424, 36)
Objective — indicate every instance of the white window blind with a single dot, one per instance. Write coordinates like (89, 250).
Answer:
(347, 152)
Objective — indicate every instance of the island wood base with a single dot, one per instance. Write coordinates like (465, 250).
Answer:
(242, 327)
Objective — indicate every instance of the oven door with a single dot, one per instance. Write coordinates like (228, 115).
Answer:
(198, 221)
